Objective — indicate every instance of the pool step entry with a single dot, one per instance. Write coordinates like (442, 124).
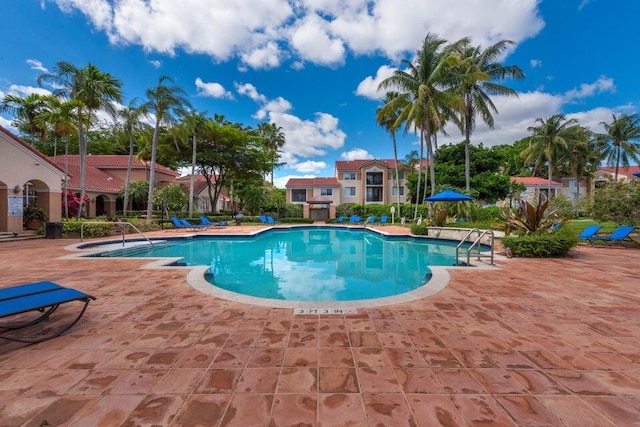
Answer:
(484, 238)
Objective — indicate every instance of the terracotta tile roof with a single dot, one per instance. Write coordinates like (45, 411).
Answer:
(118, 161)
(354, 165)
(623, 171)
(95, 179)
(534, 181)
(312, 182)
(29, 147)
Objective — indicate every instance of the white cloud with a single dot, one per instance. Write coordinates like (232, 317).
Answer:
(369, 86)
(36, 65)
(304, 137)
(356, 154)
(535, 63)
(265, 57)
(260, 33)
(213, 90)
(156, 63)
(6, 123)
(23, 91)
(309, 166)
(603, 84)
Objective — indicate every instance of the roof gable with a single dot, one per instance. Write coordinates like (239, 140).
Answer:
(30, 150)
(312, 182)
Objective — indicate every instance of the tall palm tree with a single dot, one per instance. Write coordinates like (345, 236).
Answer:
(165, 101)
(94, 90)
(387, 116)
(621, 143)
(26, 111)
(550, 139)
(585, 158)
(477, 78)
(130, 121)
(60, 117)
(427, 85)
(194, 125)
(274, 139)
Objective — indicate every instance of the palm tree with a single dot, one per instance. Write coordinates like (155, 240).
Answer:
(387, 116)
(130, 121)
(585, 158)
(274, 139)
(60, 116)
(621, 142)
(476, 81)
(426, 85)
(550, 139)
(26, 111)
(165, 102)
(194, 124)
(94, 90)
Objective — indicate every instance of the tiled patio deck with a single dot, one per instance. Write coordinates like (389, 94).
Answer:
(536, 342)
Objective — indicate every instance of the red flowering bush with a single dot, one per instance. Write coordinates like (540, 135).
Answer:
(73, 202)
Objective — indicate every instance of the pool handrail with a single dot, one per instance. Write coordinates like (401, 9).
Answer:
(115, 223)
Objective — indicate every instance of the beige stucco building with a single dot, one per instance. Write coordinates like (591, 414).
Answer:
(26, 177)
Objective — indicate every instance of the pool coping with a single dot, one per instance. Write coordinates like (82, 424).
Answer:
(195, 276)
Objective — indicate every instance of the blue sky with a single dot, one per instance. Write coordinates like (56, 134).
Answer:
(312, 66)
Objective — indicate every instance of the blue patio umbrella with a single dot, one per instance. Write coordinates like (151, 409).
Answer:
(449, 196)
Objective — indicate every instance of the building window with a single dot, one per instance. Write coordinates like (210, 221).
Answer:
(349, 176)
(400, 174)
(298, 195)
(394, 191)
(374, 194)
(349, 191)
(326, 192)
(374, 178)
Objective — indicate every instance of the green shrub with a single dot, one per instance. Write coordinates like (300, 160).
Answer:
(541, 245)
(298, 220)
(71, 227)
(419, 229)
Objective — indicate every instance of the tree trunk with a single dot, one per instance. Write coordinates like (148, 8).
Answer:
(467, 141)
(193, 171)
(395, 157)
(152, 173)
(127, 183)
(82, 143)
(66, 179)
(415, 209)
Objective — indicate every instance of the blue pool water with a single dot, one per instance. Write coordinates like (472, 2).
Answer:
(308, 263)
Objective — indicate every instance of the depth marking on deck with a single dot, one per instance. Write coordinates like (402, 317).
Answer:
(324, 311)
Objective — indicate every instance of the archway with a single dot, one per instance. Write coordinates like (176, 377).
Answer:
(100, 206)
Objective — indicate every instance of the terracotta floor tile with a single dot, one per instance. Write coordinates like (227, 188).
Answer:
(108, 411)
(155, 410)
(528, 411)
(341, 409)
(196, 357)
(258, 380)
(378, 380)
(204, 410)
(418, 380)
(338, 380)
(294, 410)
(406, 357)
(387, 409)
(21, 408)
(298, 380)
(434, 410)
(619, 411)
(335, 357)
(62, 411)
(218, 381)
(248, 410)
(573, 411)
(458, 381)
(138, 381)
(266, 357)
(297, 356)
(370, 356)
(179, 381)
(333, 339)
(232, 358)
(579, 383)
(537, 382)
(481, 410)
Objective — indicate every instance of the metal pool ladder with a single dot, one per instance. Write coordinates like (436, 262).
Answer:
(118, 223)
(476, 244)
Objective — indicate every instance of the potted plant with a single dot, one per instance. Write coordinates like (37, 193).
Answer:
(33, 217)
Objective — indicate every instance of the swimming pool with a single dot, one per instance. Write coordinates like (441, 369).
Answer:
(308, 263)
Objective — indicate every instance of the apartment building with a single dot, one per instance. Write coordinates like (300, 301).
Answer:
(355, 181)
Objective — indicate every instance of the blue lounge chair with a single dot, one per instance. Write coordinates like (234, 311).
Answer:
(589, 232)
(620, 235)
(204, 220)
(340, 219)
(263, 219)
(41, 297)
(370, 220)
(383, 220)
(272, 221)
(194, 227)
(355, 219)
(177, 224)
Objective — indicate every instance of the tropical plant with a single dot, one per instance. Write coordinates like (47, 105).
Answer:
(619, 202)
(532, 218)
(165, 101)
(621, 142)
(557, 244)
(171, 197)
(476, 80)
(424, 88)
(71, 202)
(387, 116)
(138, 192)
(94, 90)
(550, 140)
(130, 122)
(26, 111)
(274, 138)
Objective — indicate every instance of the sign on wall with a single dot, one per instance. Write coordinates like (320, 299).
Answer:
(15, 206)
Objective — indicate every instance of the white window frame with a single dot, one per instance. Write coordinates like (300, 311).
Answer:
(349, 176)
(355, 192)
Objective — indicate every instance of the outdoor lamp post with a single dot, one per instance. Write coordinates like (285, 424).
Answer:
(393, 212)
